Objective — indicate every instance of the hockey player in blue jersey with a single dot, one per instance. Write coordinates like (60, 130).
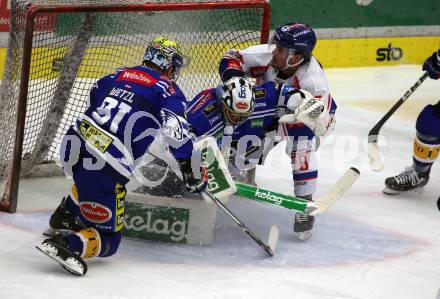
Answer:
(214, 112)
(288, 59)
(218, 110)
(126, 111)
(209, 115)
(426, 143)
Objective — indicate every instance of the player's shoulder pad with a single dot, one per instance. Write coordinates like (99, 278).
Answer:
(311, 77)
(204, 107)
(169, 88)
(233, 54)
(202, 101)
(138, 75)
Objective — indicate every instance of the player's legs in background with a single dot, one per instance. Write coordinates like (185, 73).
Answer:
(425, 152)
(301, 147)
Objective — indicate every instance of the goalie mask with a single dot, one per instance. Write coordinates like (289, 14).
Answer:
(238, 100)
(165, 53)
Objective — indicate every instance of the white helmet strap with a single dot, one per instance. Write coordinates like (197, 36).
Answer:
(289, 56)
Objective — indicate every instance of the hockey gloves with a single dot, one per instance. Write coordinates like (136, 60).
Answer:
(432, 65)
(193, 184)
(308, 110)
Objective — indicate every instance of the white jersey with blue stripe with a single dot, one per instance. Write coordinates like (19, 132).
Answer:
(255, 62)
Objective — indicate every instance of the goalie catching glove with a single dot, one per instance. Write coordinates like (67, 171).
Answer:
(193, 184)
(308, 110)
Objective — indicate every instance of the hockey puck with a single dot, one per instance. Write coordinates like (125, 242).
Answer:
(438, 203)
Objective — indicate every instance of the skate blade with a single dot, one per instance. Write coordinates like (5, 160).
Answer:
(304, 235)
(50, 232)
(71, 264)
(389, 191)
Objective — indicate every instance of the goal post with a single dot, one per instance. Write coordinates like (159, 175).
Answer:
(58, 49)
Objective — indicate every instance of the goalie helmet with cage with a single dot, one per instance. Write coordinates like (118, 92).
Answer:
(238, 100)
(165, 53)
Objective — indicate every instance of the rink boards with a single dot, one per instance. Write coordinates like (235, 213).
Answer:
(341, 52)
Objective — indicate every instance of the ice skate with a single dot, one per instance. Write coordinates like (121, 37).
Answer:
(56, 249)
(303, 225)
(62, 222)
(407, 180)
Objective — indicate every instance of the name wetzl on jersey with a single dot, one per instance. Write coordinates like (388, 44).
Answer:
(122, 94)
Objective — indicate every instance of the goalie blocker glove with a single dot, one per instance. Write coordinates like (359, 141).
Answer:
(193, 184)
(432, 65)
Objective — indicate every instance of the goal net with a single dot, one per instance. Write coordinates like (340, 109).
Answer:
(57, 49)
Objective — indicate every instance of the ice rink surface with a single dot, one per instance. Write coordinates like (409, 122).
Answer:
(368, 245)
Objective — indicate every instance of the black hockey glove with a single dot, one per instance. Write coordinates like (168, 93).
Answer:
(193, 184)
(432, 65)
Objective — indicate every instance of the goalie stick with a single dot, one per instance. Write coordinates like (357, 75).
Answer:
(318, 206)
(273, 234)
(374, 156)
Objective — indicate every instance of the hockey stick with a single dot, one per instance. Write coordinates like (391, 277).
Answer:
(374, 156)
(319, 206)
(273, 235)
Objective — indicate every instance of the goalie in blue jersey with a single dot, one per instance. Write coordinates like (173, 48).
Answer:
(126, 111)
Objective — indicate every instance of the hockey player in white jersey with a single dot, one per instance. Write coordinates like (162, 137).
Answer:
(288, 59)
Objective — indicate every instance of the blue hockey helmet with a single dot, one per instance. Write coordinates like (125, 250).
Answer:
(297, 36)
(165, 53)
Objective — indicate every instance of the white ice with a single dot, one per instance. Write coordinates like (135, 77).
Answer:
(368, 245)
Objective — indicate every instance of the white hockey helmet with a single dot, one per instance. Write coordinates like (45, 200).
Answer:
(238, 99)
